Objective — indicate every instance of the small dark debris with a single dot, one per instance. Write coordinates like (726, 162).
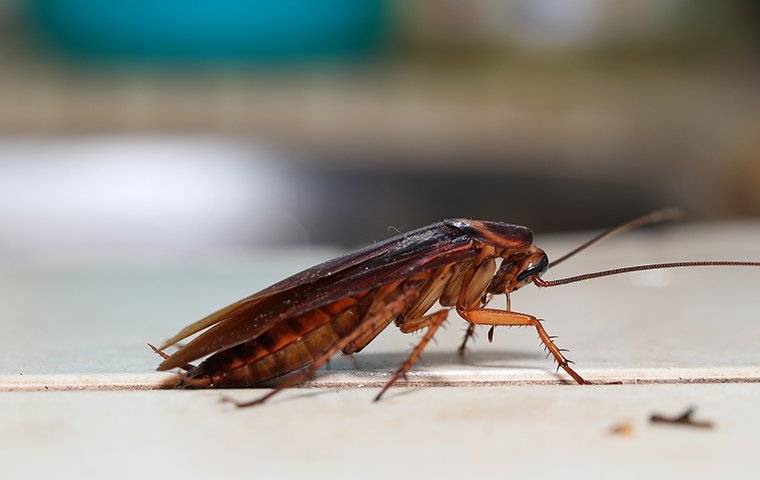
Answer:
(684, 419)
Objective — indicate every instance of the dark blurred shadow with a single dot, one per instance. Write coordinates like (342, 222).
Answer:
(351, 206)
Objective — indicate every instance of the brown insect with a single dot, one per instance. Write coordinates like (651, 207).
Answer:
(292, 328)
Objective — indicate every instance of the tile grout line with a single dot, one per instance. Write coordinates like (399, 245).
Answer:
(425, 378)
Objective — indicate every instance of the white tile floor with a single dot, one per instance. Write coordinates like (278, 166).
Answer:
(82, 325)
(470, 432)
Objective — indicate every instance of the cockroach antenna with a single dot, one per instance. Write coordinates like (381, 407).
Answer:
(639, 268)
(665, 215)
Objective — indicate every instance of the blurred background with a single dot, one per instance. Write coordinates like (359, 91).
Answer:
(176, 125)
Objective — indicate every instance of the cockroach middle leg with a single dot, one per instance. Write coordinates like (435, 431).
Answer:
(415, 324)
(433, 321)
(493, 317)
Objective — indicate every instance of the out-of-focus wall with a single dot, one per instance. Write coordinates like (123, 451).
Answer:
(557, 114)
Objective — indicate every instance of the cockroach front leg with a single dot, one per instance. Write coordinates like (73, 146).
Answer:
(493, 317)
(432, 321)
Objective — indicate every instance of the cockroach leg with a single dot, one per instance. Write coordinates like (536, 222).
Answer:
(433, 322)
(369, 334)
(470, 333)
(473, 286)
(414, 324)
(493, 317)
(186, 367)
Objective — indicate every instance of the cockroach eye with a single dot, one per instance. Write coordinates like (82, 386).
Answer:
(536, 269)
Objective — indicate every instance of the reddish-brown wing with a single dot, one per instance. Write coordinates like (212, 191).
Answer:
(395, 247)
(376, 265)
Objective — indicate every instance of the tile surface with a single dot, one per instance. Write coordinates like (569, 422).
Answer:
(484, 432)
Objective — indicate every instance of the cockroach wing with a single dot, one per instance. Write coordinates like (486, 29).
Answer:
(368, 268)
(398, 246)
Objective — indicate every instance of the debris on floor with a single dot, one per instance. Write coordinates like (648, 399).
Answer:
(624, 429)
(685, 419)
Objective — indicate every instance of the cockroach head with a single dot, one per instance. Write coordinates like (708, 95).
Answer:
(534, 265)
(501, 235)
(518, 270)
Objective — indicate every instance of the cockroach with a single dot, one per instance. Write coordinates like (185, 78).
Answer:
(289, 330)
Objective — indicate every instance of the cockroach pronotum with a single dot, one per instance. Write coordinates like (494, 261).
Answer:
(286, 332)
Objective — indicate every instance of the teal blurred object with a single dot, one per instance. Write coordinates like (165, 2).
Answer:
(209, 30)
